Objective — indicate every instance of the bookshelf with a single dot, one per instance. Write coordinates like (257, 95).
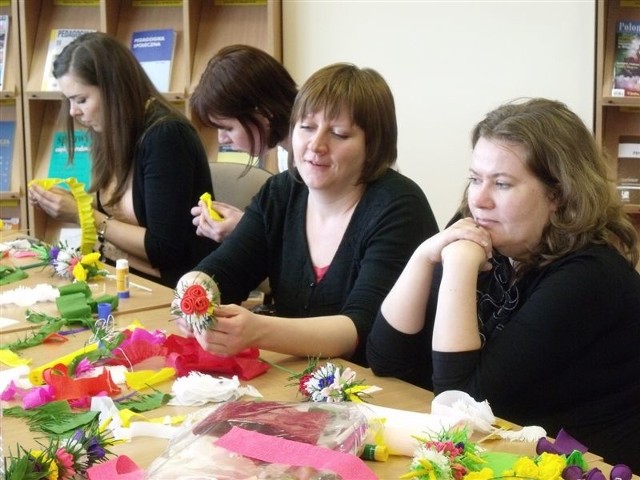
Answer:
(13, 207)
(202, 27)
(615, 116)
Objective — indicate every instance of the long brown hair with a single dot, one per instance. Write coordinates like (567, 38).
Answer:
(130, 105)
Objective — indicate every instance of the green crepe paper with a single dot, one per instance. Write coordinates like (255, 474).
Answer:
(73, 305)
(144, 402)
(577, 458)
(55, 418)
(499, 461)
(76, 287)
(11, 274)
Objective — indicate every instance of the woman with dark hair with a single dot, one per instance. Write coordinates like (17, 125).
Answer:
(148, 163)
(247, 95)
(531, 299)
(332, 233)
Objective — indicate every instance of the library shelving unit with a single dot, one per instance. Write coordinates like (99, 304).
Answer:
(615, 116)
(202, 28)
(13, 207)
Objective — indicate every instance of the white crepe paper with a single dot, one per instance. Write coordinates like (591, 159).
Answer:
(199, 389)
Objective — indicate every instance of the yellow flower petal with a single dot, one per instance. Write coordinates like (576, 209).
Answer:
(90, 259)
(79, 272)
(11, 359)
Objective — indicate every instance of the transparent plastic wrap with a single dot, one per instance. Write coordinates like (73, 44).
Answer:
(192, 454)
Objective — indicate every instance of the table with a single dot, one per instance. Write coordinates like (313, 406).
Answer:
(144, 294)
(273, 385)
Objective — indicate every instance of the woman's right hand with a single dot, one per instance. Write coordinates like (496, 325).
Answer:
(433, 248)
(216, 230)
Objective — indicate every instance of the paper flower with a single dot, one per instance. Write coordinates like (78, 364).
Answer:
(195, 303)
(62, 459)
(449, 455)
(69, 263)
(330, 383)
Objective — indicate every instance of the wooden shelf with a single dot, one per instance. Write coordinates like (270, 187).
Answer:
(202, 28)
(614, 116)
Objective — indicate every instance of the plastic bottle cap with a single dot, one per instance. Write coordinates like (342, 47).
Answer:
(379, 453)
(104, 310)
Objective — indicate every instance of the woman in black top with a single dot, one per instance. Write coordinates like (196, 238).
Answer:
(149, 166)
(530, 300)
(331, 234)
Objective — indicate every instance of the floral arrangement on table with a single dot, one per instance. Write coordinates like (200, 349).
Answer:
(447, 455)
(62, 458)
(330, 383)
(195, 303)
(69, 263)
(451, 455)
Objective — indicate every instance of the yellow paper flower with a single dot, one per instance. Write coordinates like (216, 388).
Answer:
(551, 466)
(79, 272)
(484, 474)
(43, 459)
(91, 259)
(526, 467)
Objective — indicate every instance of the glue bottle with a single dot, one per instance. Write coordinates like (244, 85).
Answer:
(122, 278)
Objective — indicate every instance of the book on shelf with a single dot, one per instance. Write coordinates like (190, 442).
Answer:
(626, 63)
(59, 38)
(59, 166)
(4, 40)
(629, 168)
(154, 50)
(7, 139)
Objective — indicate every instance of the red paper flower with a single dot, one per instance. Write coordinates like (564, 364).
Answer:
(187, 305)
(195, 303)
(195, 291)
(201, 305)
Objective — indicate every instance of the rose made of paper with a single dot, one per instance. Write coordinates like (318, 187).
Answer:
(195, 301)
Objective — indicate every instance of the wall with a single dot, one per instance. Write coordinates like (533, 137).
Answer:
(448, 63)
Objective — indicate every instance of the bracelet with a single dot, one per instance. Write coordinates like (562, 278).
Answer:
(102, 229)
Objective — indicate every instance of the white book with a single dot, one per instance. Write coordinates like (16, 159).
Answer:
(4, 39)
(154, 50)
(60, 38)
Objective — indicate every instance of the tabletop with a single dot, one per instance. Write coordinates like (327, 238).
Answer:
(275, 384)
(143, 294)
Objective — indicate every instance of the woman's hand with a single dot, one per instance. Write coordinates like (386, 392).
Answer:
(236, 330)
(216, 230)
(434, 247)
(57, 203)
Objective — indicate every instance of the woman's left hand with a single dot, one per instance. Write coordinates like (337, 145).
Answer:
(56, 203)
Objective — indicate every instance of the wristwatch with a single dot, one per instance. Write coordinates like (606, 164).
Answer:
(102, 229)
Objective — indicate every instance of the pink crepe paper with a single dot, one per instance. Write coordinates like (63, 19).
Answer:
(31, 397)
(120, 468)
(279, 450)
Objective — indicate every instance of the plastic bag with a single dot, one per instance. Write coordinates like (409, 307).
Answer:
(192, 454)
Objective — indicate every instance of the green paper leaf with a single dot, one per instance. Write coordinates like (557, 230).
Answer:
(144, 402)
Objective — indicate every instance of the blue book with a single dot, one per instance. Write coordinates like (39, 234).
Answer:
(154, 50)
(7, 137)
(80, 169)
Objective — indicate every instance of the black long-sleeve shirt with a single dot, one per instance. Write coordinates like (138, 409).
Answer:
(390, 221)
(565, 353)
